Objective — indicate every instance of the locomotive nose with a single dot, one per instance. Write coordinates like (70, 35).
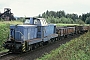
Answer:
(9, 46)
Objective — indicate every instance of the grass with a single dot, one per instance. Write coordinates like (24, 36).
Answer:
(4, 31)
(10, 22)
(76, 49)
(61, 24)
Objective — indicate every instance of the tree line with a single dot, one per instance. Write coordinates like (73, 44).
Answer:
(62, 17)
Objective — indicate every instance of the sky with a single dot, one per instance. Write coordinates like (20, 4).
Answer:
(30, 8)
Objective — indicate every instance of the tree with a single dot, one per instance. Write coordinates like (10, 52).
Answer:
(79, 21)
(87, 21)
(61, 17)
(66, 20)
(39, 16)
(72, 16)
(60, 14)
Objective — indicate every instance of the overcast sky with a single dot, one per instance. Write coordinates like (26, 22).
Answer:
(32, 8)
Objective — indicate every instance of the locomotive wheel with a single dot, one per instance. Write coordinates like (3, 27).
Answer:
(49, 41)
(41, 44)
(56, 38)
(35, 46)
(53, 39)
(30, 47)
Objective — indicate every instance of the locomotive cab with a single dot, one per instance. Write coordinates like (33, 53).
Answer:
(35, 21)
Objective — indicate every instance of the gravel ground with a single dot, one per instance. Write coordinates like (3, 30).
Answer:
(46, 49)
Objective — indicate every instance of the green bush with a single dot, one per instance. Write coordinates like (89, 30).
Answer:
(4, 31)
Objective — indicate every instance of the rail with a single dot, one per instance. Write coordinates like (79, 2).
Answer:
(4, 54)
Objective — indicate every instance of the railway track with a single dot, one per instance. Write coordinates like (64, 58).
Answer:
(4, 54)
(36, 53)
(7, 56)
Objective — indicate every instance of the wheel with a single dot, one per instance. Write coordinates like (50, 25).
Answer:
(30, 47)
(49, 41)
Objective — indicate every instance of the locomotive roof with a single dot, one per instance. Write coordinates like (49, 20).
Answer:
(25, 26)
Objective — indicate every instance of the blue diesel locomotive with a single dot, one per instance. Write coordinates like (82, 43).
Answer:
(33, 33)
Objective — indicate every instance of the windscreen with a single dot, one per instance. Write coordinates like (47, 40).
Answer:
(27, 21)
